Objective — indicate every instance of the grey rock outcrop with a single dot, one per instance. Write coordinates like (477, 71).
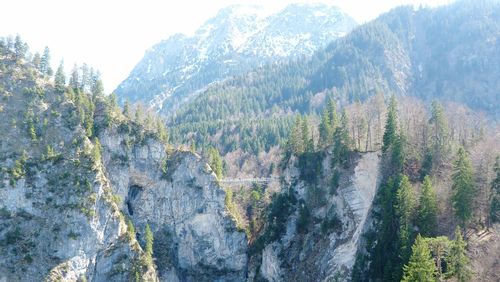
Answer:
(195, 237)
(327, 248)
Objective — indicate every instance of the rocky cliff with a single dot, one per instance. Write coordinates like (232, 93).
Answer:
(79, 182)
(321, 231)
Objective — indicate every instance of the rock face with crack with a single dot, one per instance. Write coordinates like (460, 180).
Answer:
(321, 235)
(179, 197)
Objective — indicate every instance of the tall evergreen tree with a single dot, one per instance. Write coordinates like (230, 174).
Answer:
(215, 161)
(332, 110)
(306, 136)
(463, 187)
(296, 142)
(439, 247)
(126, 109)
(96, 86)
(421, 267)
(45, 62)
(85, 79)
(20, 48)
(397, 154)
(458, 262)
(390, 133)
(60, 77)
(405, 211)
(325, 129)
(439, 133)
(427, 212)
(341, 141)
(36, 61)
(74, 80)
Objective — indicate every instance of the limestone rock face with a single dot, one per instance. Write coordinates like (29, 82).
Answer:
(326, 247)
(179, 197)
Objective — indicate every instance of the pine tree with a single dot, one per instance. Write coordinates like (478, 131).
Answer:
(325, 129)
(296, 143)
(148, 237)
(421, 267)
(427, 212)
(334, 118)
(341, 141)
(398, 153)
(463, 187)
(45, 62)
(85, 79)
(458, 262)
(161, 129)
(60, 78)
(495, 194)
(390, 133)
(74, 80)
(126, 109)
(96, 151)
(96, 86)
(439, 247)
(20, 48)
(405, 202)
(405, 209)
(306, 137)
(439, 133)
(130, 230)
(36, 61)
(215, 161)
(138, 113)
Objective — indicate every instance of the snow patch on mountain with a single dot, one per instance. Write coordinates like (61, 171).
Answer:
(238, 39)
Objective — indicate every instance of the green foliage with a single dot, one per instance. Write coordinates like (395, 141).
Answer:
(341, 141)
(439, 139)
(495, 194)
(32, 131)
(18, 171)
(421, 267)
(282, 205)
(296, 143)
(164, 168)
(427, 211)
(405, 211)
(439, 247)
(215, 161)
(60, 78)
(390, 133)
(458, 262)
(233, 209)
(463, 187)
(148, 238)
(45, 68)
(20, 48)
(96, 151)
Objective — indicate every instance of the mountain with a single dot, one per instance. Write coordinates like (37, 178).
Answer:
(236, 40)
(447, 54)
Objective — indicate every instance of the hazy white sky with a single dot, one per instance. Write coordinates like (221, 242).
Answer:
(112, 35)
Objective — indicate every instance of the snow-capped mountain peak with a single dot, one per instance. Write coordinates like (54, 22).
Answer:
(236, 40)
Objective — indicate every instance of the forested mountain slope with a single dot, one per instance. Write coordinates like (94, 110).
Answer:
(447, 53)
(236, 40)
